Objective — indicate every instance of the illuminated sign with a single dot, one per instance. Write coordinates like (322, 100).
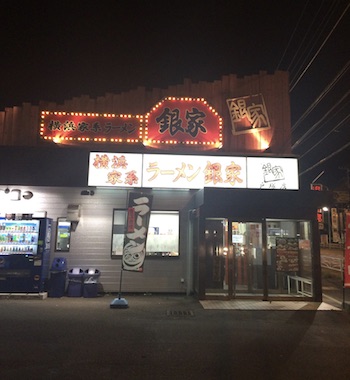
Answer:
(191, 171)
(185, 121)
(117, 170)
(272, 173)
(248, 114)
(68, 127)
(316, 187)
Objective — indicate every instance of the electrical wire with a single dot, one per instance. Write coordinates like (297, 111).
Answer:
(323, 94)
(305, 35)
(337, 127)
(332, 117)
(317, 30)
(314, 27)
(325, 159)
(319, 49)
(299, 66)
(303, 137)
(292, 35)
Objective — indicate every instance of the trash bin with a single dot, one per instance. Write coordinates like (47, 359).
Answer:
(91, 277)
(75, 282)
(58, 273)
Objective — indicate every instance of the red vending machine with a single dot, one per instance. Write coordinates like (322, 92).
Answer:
(25, 248)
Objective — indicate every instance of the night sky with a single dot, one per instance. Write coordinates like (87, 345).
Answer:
(55, 50)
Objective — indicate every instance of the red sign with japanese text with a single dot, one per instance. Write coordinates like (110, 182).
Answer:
(347, 252)
(184, 121)
(63, 127)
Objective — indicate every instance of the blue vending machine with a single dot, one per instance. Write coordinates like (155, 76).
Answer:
(25, 248)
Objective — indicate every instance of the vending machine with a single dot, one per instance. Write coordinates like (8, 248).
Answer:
(25, 247)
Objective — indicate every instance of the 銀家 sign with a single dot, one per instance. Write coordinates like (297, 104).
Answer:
(185, 121)
(248, 114)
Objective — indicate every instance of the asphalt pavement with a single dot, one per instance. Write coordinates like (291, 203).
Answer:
(168, 337)
(172, 337)
(332, 279)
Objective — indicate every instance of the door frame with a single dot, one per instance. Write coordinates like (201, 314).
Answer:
(231, 292)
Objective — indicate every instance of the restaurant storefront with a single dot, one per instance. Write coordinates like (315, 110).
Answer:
(227, 218)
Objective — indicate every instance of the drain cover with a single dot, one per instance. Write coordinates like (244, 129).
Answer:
(179, 313)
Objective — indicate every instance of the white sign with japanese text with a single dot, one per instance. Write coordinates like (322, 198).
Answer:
(191, 171)
(272, 173)
(115, 169)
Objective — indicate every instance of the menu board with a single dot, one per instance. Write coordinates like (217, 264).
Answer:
(287, 255)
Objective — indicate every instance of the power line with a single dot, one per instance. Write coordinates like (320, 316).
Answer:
(292, 35)
(323, 94)
(325, 159)
(324, 137)
(318, 29)
(332, 117)
(319, 49)
(303, 137)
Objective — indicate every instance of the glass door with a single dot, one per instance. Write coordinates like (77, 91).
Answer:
(289, 258)
(234, 263)
(238, 266)
(248, 260)
(217, 259)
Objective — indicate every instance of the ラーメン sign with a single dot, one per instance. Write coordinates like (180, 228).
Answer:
(129, 170)
(134, 249)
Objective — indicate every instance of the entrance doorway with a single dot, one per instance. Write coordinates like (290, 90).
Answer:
(271, 258)
(234, 263)
(247, 258)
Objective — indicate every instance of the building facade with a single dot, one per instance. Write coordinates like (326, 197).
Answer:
(228, 219)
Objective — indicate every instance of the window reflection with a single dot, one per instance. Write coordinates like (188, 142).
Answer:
(63, 235)
(162, 236)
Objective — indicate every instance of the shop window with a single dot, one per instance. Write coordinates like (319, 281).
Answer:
(289, 257)
(162, 237)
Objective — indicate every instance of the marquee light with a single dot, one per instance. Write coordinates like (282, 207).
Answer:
(68, 127)
(184, 120)
(196, 123)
